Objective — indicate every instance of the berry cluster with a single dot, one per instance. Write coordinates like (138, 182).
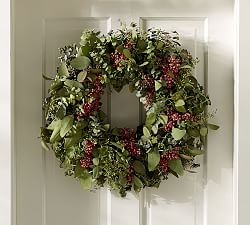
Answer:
(174, 64)
(96, 92)
(169, 80)
(130, 174)
(89, 147)
(169, 155)
(117, 57)
(129, 44)
(149, 84)
(174, 117)
(128, 139)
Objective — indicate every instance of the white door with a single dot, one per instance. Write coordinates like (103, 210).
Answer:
(44, 196)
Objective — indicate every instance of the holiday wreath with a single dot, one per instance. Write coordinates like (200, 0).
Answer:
(154, 66)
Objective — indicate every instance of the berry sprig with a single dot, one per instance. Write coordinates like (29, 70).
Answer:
(87, 160)
(128, 139)
(130, 174)
(174, 117)
(117, 57)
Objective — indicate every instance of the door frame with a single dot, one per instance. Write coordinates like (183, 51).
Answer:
(241, 111)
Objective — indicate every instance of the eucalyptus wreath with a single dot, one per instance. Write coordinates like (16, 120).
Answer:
(159, 71)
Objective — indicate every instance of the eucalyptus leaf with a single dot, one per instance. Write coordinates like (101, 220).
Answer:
(66, 125)
(195, 151)
(150, 119)
(153, 159)
(61, 112)
(86, 181)
(45, 146)
(179, 102)
(96, 172)
(139, 167)
(163, 118)
(81, 76)
(74, 139)
(180, 109)
(213, 126)
(118, 145)
(203, 131)
(80, 62)
(143, 64)
(138, 182)
(178, 134)
(155, 129)
(160, 45)
(186, 156)
(158, 85)
(63, 70)
(96, 161)
(146, 132)
(176, 166)
(73, 83)
(55, 136)
(127, 53)
(193, 132)
(47, 78)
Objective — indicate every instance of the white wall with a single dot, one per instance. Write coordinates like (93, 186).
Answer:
(5, 150)
(243, 112)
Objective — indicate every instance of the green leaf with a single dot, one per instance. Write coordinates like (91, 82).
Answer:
(150, 119)
(195, 151)
(160, 44)
(153, 159)
(158, 85)
(138, 183)
(81, 76)
(203, 131)
(146, 132)
(142, 44)
(67, 124)
(179, 102)
(47, 78)
(186, 67)
(70, 141)
(139, 167)
(193, 132)
(63, 70)
(96, 161)
(178, 134)
(155, 129)
(85, 50)
(53, 124)
(186, 156)
(96, 171)
(213, 126)
(180, 109)
(118, 145)
(55, 136)
(127, 53)
(80, 63)
(61, 112)
(106, 126)
(44, 145)
(176, 166)
(73, 83)
(86, 181)
(163, 118)
(143, 64)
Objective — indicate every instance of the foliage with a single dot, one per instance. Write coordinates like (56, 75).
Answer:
(154, 66)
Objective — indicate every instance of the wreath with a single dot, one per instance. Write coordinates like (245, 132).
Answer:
(159, 71)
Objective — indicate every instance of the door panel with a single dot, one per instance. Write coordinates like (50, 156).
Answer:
(44, 195)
